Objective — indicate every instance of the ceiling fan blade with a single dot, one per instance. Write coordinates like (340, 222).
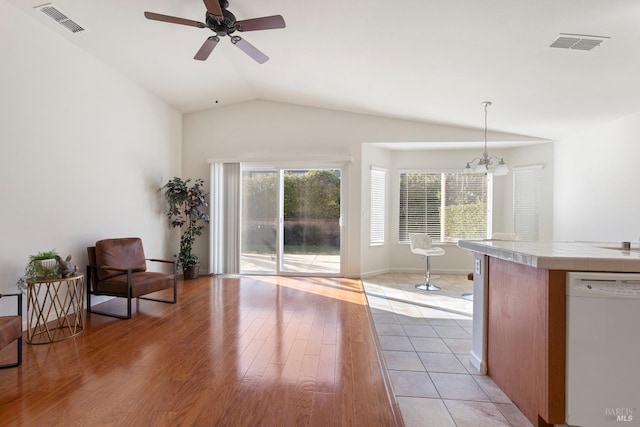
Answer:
(173, 19)
(264, 23)
(213, 7)
(206, 48)
(249, 49)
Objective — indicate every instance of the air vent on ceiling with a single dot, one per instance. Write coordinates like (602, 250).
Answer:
(59, 17)
(578, 41)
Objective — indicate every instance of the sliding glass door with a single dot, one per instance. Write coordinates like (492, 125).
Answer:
(260, 214)
(291, 221)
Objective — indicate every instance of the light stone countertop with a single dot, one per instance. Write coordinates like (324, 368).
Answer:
(569, 256)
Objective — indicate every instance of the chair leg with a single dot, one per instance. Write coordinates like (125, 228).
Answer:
(167, 301)
(104, 313)
(18, 362)
(117, 316)
(427, 285)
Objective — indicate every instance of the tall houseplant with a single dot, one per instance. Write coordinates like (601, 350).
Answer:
(186, 200)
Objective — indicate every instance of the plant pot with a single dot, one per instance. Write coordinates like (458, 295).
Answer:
(191, 272)
(47, 267)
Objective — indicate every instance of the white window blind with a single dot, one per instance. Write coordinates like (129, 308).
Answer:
(527, 194)
(447, 206)
(377, 214)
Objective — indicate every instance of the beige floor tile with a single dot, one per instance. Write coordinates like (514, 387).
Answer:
(412, 320)
(407, 310)
(458, 386)
(434, 314)
(384, 317)
(493, 391)
(403, 361)
(442, 362)
(466, 362)
(475, 414)
(423, 412)
(443, 322)
(393, 342)
(390, 329)
(458, 346)
(429, 345)
(420, 331)
(452, 332)
(412, 384)
(467, 323)
(439, 326)
(513, 415)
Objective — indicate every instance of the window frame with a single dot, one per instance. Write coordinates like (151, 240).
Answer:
(443, 239)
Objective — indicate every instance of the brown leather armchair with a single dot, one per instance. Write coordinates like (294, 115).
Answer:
(118, 268)
(11, 330)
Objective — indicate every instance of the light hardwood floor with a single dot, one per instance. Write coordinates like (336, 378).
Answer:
(261, 351)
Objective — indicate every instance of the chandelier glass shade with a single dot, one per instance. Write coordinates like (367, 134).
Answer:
(486, 163)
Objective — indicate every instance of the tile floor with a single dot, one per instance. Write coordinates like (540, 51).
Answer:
(425, 339)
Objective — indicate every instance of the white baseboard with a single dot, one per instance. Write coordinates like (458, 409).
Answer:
(433, 271)
(478, 363)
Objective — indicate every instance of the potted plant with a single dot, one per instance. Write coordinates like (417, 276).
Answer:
(41, 265)
(186, 200)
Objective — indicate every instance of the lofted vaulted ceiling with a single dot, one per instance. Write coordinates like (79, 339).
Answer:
(422, 60)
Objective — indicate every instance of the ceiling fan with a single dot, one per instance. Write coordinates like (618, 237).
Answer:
(223, 23)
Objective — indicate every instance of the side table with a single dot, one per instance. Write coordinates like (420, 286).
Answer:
(55, 309)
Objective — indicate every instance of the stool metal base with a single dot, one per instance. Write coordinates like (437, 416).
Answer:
(428, 287)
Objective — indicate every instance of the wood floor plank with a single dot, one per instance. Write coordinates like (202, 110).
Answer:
(266, 351)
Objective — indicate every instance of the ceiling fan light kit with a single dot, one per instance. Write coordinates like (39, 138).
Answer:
(223, 23)
(487, 163)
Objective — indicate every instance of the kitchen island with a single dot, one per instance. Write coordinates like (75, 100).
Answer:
(520, 315)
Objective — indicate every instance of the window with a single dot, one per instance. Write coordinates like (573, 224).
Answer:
(447, 206)
(527, 192)
(378, 184)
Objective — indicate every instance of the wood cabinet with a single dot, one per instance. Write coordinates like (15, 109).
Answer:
(526, 335)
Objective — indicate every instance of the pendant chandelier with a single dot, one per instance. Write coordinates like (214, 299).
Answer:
(487, 163)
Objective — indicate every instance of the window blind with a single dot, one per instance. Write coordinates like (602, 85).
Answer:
(447, 206)
(377, 214)
(527, 194)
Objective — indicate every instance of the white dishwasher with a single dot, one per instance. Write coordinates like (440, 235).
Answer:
(603, 349)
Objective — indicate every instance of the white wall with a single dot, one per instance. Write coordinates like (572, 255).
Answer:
(83, 151)
(263, 130)
(596, 194)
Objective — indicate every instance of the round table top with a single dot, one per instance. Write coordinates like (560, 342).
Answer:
(54, 279)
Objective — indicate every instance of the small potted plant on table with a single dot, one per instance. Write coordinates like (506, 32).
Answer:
(41, 265)
(186, 200)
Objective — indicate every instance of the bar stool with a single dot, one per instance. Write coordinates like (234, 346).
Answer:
(421, 245)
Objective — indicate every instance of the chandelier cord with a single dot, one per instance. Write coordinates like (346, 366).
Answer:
(485, 161)
(485, 104)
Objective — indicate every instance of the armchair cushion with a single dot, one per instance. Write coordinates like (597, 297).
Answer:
(142, 283)
(10, 329)
(124, 253)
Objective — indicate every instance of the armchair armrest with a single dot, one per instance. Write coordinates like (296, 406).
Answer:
(161, 260)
